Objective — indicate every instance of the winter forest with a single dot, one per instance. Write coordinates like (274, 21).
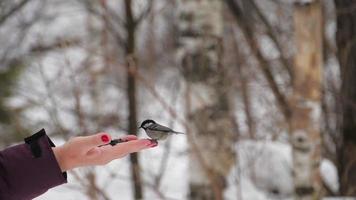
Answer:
(264, 90)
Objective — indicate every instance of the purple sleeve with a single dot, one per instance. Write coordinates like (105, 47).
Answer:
(30, 169)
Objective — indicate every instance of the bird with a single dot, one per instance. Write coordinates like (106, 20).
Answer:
(156, 131)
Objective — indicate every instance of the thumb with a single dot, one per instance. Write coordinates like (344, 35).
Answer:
(88, 142)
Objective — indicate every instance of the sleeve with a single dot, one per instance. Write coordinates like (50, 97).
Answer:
(28, 170)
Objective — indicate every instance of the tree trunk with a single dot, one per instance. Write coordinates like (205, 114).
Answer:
(91, 191)
(346, 43)
(131, 95)
(244, 81)
(210, 129)
(305, 103)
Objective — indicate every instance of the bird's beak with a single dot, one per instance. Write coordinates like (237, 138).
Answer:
(139, 127)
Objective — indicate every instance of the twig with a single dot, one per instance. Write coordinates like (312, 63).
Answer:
(263, 64)
(164, 161)
(12, 11)
(285, 62)
(145, 13)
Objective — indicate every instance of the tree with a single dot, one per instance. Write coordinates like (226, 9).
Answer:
(210, 129)
(300, 110)
(346, 44)
(131, 93)
(305, 103)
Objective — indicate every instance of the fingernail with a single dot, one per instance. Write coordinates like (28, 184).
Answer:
(105, 138)
(154, 145)
(148, 143)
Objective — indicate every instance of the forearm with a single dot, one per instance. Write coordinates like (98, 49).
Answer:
(24, 175)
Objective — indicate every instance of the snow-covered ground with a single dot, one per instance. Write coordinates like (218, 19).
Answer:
(263, 172)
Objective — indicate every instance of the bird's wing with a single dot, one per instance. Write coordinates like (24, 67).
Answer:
(178, 132)
(157, 127)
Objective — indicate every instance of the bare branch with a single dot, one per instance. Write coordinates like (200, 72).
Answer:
(58, 44)
(13, 11)
(263, 63)
(285, 62)
(109, 21)
(145, 13)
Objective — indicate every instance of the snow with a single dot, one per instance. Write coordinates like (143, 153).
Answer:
(263, 168)
(267, 165)
(329, 175)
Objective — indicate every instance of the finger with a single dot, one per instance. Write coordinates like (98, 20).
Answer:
(138, 145)
(88, 142)
(129, 138)
(125, 148)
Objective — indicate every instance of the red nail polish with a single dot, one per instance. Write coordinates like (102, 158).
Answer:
(105, 138)
(153, 145)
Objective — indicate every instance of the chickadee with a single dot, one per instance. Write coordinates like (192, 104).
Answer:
(157, 131)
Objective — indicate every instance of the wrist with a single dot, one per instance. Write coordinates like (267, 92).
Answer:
(58, 153)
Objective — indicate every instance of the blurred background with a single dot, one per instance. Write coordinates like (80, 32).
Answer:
(264, 90)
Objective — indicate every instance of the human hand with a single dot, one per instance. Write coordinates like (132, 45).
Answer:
(85, 150)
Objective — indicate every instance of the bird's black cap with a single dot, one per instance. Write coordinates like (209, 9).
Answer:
(146, 122)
